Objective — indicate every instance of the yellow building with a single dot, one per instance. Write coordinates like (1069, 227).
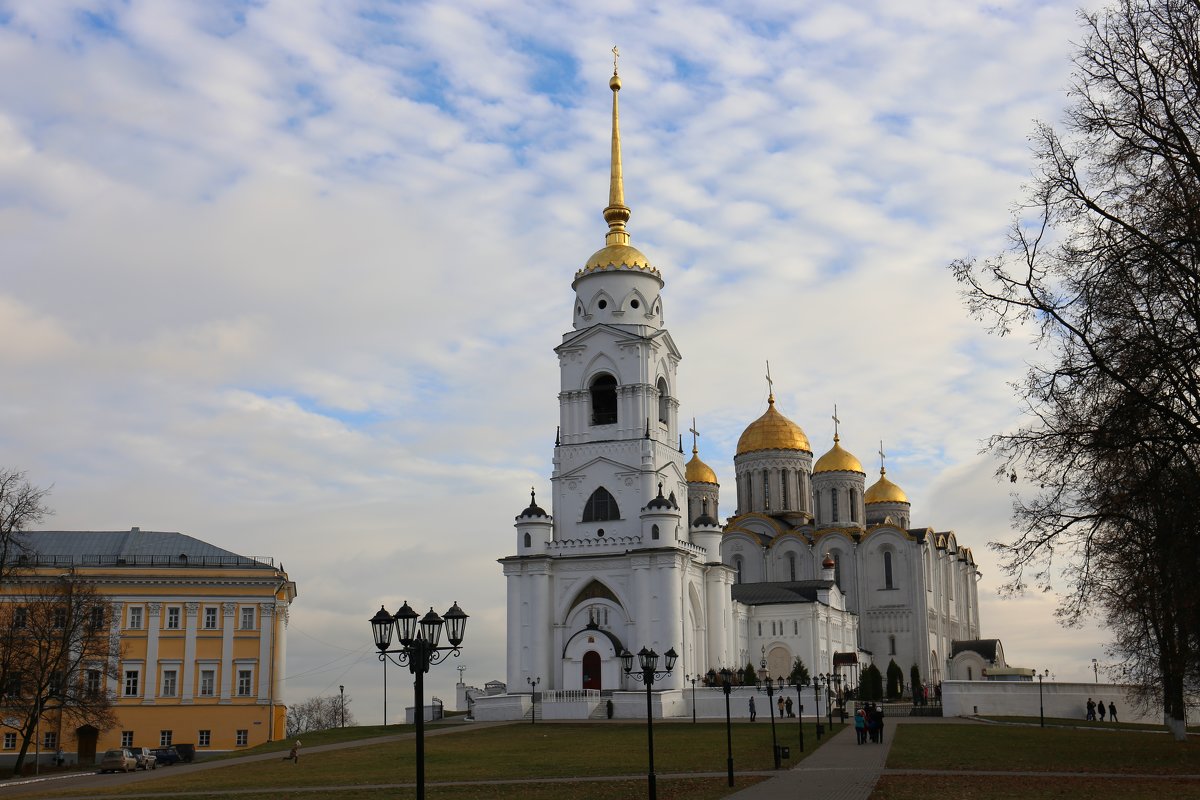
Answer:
(202, 639)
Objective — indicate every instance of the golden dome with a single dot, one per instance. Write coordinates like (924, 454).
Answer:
(618, 256)
(838, 460)
(698, 472)
(772, 431)
(884, 491)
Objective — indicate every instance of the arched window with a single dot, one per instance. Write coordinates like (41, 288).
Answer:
(853, 506)
(766, 491)
(783, 490)
(891, 645)
(601, 506)
(791, 566)
(664, 401)
(833, 504)
(737, 565)
(653, 531)
(528, 540)
(887, 570)
(837, 568)
(604, 400)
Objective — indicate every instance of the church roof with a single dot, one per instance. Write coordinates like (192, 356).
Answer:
(838, 459)
(772, 431)
(884, 491)
(699, 472)
(132, 548)
(777, 593)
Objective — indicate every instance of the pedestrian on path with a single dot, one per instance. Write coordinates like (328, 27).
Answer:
(1112, 711)
(860, 726)
(1100, 709)
(294, 753)
(788, 706)
(753, 713)
(779, 703)
(879, 712)
(1091, 710)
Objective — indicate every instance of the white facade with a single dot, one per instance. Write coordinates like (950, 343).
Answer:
(632, 555)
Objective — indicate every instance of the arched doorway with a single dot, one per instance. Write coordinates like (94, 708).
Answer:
(779, 662)
(591, 670)
(85, 739)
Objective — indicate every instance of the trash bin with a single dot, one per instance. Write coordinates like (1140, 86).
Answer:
(786, 751)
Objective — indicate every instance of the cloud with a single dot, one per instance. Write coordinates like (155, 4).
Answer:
(289, 279)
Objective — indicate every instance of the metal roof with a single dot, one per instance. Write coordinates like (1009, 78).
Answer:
(765, 594)
(133, 547)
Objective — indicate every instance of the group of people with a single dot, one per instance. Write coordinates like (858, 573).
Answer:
(1095, 710)
(785, 705)
(868, 722)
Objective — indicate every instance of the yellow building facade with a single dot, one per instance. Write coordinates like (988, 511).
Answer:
(202, 635)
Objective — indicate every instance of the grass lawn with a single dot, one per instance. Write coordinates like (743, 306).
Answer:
(511, 752)
(1025, 749)
(986, 787)
(1083, 723)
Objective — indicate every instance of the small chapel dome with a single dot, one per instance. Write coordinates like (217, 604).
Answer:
(828, 563)
(696, 471)
(534, 509)
(884, 491)
(661, 503)
(618, 256)
(772, 431)
(838, 459)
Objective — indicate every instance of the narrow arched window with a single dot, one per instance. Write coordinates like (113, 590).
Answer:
(601, 506)
(853, 506)
(604, 400)
(837, 569)
(783, 489)
(766, 490)
(833, 504)
(653, 531)
(887, 570)
(737, 565)
(528, 540)
(791, 566)
(891, 645)
(664, 401)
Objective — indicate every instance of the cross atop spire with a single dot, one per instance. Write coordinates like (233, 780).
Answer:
(837, 421)
(882, 456)
(616, 54)
(770, 385)
(695, 435)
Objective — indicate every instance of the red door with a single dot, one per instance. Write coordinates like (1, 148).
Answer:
(591, 670)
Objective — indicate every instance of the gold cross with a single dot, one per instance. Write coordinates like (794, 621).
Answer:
(881, 455)
(616, 55)
(836, 421)
(695, 434)
(770, 383)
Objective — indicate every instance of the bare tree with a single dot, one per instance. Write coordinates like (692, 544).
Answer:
(57, 656)
(1104, 265)
(318, 714)
(21, 505)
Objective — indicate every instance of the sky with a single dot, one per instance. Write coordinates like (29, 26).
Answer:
(287, 276)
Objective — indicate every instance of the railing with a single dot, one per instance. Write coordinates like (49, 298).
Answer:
(570, 695)
(36, 560)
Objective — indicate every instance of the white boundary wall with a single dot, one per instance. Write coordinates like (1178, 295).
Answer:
(1020, 699)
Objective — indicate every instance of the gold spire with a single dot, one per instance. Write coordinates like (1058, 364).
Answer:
(617, 213)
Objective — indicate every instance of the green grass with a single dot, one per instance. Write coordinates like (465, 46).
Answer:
(998, 747)
(967, 787)
(511, 752)
(1083, 723)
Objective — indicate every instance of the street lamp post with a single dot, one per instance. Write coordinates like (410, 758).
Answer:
(727, 687)
(419, 650)
(817, 705)
(1041, 704)
(648, 673)
(765, 681)
(800, 712)
(693, 679)
(1095, 670)
(533, 684)
(829, 700)
(342, 690)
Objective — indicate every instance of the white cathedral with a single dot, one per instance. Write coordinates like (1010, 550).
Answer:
(812, 563)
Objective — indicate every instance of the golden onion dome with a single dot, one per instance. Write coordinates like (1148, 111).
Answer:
(838, 459)
(772, 431)
(696, 471)
(617, 257)
(884, 491)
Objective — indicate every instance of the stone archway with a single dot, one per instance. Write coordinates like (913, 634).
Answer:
(85, 743)
(779, 661)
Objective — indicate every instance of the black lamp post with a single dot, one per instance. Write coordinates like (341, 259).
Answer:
(693, 679)
(342, 689)
(800, 712)
(533, 684)
(419, 650)
(837, 692)
(648, 673)
(817, 705)
(829, 700)
(1041, 704)
(727, 687)
(766, 684)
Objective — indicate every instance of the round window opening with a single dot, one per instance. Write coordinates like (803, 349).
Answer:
(579, 309)
(634, 303)
(600, 532)
(602, 304)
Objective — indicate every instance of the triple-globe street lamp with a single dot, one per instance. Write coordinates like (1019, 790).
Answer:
(418, 650)
(648, 673)
(800, 710)
(1041, 705)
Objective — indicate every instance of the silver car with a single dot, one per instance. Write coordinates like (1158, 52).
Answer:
(120, 760)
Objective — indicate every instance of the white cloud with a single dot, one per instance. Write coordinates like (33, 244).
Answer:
(290, 281)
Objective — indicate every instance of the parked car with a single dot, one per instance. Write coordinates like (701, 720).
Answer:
(187, 752)
(145, 758)
(120, 760)
(167, 755)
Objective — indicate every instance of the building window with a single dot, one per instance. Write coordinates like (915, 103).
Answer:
(604, 400)
(528, 540)
(60, 618)
(795, 627)
(891, 645)
(853, 506)
(737, 565)
(653, 531)
(760, 629)
(242, 738)
(204, 739)
(169, 680)
(887, 570)
(96, 621)
(135, 617)
(164, 738)
(837, 569)
(20, 617)
(93, 684)
(833, 503)
(248, 618)
(245, 682)
(208, 679)
(210, 617)
(131, 682)
(766, 490)
(50, 740)
(791, 566)
(10, 741)
(664, 401)
(173, 618)
(601, 506)
(126, 738)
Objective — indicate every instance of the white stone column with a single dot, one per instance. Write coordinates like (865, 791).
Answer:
(229, 612)
(150, 675)
(191, 611)
(266, 632)
(541, 623)
(516, 638)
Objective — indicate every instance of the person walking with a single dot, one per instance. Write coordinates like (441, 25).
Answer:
(753, 713)
(1100, 709)
(860, 727)
(294, 753)
(779, 704)
(1091, 709)
(788, 706)
(879, 724)
(1112, 711)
